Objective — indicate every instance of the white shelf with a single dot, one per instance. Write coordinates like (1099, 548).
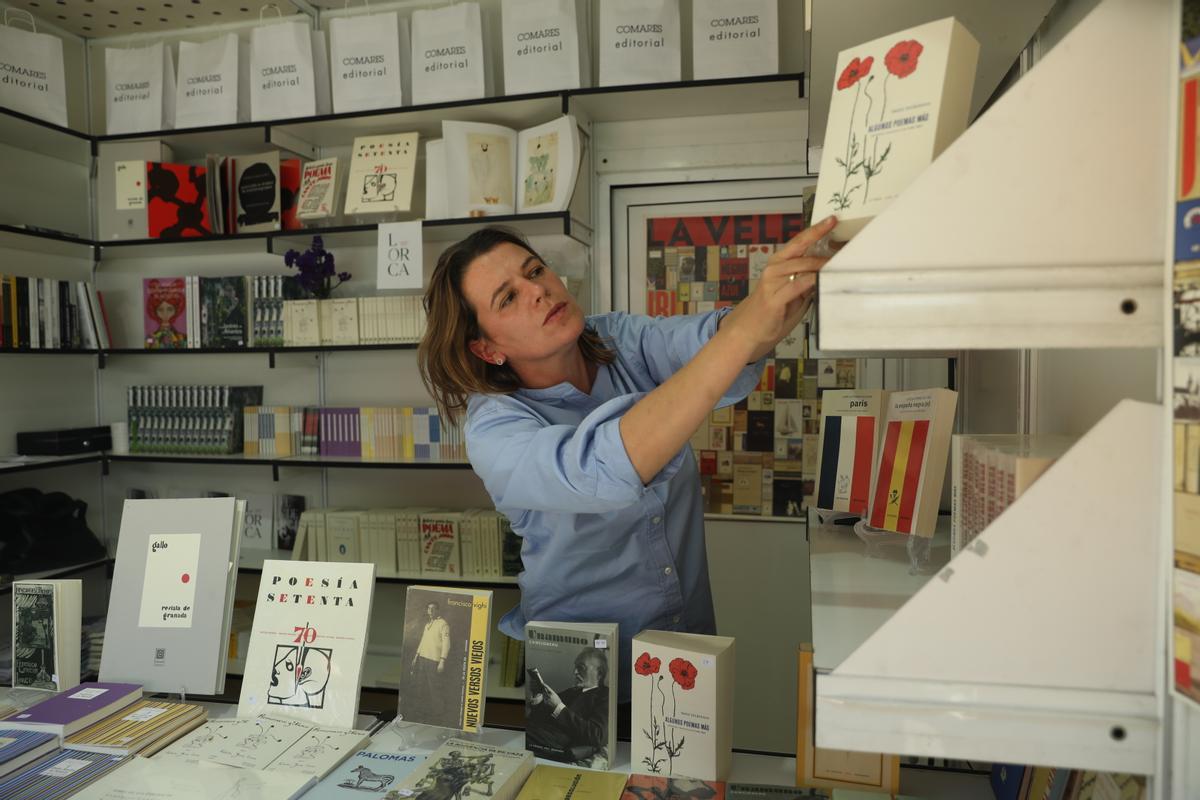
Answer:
(688, 98)
(1036, 644)
(251, 561)
(1042, 225)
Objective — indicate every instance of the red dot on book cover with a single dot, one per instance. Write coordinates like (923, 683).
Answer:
(186, 577)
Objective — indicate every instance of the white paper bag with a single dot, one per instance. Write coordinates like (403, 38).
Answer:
(447, 54)
(732, 38)
(324, 101)
(32, 77)
(207, 92)
(639, 42)
(365, 62)
(541, 45)
(139, 88)
(282, 83)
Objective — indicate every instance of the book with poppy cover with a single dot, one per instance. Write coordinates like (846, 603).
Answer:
(165, 313)
(177, 201)
(897, 103)
(571, 692)
(906, 483)
(658, 787)
(682, 703)
(849, 442)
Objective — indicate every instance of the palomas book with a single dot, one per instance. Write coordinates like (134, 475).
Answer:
(443, 671)
(308, 642)
(850, 437)
(577, 663)
(682, 703)
(172, 595)
(898, 101)
(907, 479)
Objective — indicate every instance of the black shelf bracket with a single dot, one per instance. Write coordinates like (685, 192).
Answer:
(102, 360)
(270, 359)
(104, 465)
(275, 473)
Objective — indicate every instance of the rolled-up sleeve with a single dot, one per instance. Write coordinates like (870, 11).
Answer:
(527, 464)
(667, 343)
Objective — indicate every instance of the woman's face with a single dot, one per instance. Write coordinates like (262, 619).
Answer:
(164, 311)
(524, 311)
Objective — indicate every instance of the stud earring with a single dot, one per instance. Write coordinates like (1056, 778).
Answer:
(499, 361)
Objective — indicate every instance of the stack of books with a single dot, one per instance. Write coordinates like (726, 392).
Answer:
(203, 420)
(349, 321)
(404, 433)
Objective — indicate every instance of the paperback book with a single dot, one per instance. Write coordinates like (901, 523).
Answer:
(60, 775)
(172, 594)
(658, 787)
(476, 767)
(167, 778)
(898, 102)
(570, 701)
(565, 783)
(73, 710)
(308, 642)
(138, 727)
(318, 190)
(177, 201)
(382, 169)
(445, 656)
(223, 312)
(682, 703)
(908, 476)
(46, 632)
(391, 754)
(165, 324)
(256, 192)
(18, 748)
(849, 444)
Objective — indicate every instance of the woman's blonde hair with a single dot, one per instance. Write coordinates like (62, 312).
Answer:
(449, 370)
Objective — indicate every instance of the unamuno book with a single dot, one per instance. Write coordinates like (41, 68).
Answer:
(308, 642)
(476, 767)
(46, 628)
(907, 480)
(898, 102)
(682, 702)
(381, 174)
(443, 672)
(850, 436)
(571, 692)
(172, 594)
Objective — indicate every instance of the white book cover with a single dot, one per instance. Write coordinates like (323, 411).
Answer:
(548, 158)
(898, 102)
(381, 173)
(444, 659)
(207, 740)
(308, 642)
(167, 778)
(256, 743)
(390, 755)
(486, 770)
(318, 190)
(436, 201)
(481, 168)
(682, 703)
(319, 751)
(168, 612)
(45, 634)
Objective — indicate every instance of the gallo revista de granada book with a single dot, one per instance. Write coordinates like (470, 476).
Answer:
(308, 642)
(682, 702)
(898, 102)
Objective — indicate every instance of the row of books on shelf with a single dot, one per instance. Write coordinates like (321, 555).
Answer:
(49, 314)
(192, 312)
(411, 542)
(475, 169)
(395, 433)
(178, 419)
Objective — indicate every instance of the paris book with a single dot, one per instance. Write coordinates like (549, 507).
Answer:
(849, 443)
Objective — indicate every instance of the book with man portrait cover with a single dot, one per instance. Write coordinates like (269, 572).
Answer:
(682, 703)
(308, 642)
(898, 102)
(577, 663)
(444, 657)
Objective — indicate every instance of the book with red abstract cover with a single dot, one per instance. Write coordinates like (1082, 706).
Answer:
(177, 201)
(289, 191)
(165, 321)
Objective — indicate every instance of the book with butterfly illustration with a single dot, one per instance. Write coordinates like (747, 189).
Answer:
(491, 169)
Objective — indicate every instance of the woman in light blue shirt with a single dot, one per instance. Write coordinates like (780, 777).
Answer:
(579, 427)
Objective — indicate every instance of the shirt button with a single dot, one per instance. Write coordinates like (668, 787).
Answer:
(667, 571)
(656, 520)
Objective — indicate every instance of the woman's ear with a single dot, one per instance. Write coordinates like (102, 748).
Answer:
(482, 350)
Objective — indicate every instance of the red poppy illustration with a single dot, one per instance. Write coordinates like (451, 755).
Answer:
(684, 673)
(645, 665)
(855, 70)
(901, 60)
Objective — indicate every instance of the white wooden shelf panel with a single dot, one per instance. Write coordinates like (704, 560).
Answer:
(1042, 225)
(1036, 644)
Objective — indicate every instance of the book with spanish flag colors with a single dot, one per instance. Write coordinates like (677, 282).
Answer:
(444, 658)
(907, 479)
(851, 434)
